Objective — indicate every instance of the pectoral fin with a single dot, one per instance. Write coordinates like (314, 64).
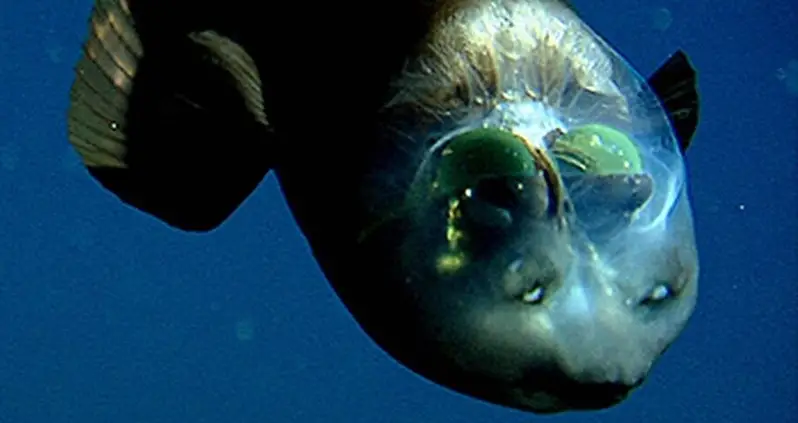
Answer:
(676, 86)
(176, 127)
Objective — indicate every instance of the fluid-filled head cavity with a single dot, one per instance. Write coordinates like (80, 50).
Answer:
(539, 247)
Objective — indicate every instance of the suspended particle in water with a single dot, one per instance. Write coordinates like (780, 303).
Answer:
(661, 19)
(789, 75)
(53, 46)
(9, 157)
(55, 54)
(245, 330)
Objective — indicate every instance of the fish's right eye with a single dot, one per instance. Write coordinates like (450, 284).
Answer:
(483, 154)
(503, 192)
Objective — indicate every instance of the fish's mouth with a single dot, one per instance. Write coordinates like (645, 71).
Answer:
(547, 393)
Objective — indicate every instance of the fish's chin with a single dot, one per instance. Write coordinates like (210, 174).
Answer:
(542, 396)
(540, 402)
(547, 402)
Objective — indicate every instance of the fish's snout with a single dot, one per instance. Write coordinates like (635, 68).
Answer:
(596, 351)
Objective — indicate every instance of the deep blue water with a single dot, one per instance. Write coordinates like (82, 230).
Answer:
(107, 315)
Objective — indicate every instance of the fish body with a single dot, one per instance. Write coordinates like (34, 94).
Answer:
(495, 194)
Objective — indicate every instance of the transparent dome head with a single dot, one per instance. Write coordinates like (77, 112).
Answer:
(534, 226)
(609, 151)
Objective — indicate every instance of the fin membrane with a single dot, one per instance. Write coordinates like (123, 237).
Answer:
(176, 127)
(675, 84)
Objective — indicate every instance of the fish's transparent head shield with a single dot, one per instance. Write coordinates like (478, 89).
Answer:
(603, 180)
(554, 250)
(545, 256)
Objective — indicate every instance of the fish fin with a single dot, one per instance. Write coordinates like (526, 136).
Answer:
(675, 84)
(174, 127)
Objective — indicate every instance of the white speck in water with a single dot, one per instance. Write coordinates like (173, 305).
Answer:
(9, 157)
(789, 75)
(661, 19)
(245, 330)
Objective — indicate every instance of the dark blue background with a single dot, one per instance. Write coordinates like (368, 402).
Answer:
(107, 315)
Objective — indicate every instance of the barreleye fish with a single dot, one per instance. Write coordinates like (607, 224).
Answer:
(498, 198)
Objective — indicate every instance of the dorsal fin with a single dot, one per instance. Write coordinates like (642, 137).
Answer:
(675, 84)
(176, 127)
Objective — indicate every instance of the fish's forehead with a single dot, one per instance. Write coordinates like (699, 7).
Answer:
(482, 53)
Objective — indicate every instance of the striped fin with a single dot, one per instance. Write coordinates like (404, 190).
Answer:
(174, 126)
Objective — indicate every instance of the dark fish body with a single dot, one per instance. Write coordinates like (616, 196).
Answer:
(498, 198)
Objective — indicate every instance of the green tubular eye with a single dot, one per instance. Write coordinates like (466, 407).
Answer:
(481, 153)
(598, 149)
(465, 162)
